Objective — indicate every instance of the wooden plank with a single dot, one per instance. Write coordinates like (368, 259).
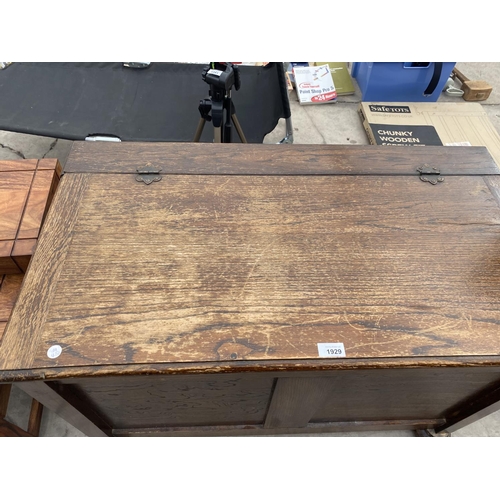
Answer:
(182, 400)
(50, 164)
(216, 268)
(269, 159)
(50, 399)
(475, 408)
(17, 350)
(296, 400)
(493, 184)
(247, 397)
(40, 196)
(35, 418)
(22, 252)
(10, 430)
(4, 399)
(17, 165)
(6, 249)
(7, 263)
(14, 189)
(260, 430)
(9, 292)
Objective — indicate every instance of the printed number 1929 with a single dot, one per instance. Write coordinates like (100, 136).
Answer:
(334, 351)
(331, 350)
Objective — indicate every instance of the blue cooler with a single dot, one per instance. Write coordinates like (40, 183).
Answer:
(401, 82)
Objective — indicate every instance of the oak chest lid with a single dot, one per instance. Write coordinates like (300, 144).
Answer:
(262, 254)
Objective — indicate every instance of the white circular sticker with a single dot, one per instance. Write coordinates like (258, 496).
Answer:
(54, 351)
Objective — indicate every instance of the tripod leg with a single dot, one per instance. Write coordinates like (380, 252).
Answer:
(217, 134)
(199, 130)
(238, 128)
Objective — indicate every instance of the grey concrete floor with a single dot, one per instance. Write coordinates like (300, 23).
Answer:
(336, 123)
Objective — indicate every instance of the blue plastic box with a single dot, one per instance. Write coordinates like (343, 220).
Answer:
(401, 82)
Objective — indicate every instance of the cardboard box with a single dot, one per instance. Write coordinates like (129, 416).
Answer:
(426, 124)
(341, 77)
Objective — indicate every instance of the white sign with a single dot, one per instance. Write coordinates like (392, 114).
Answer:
(331, 350)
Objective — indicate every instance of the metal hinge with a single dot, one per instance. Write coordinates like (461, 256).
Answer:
(430, 174)
(148, 174)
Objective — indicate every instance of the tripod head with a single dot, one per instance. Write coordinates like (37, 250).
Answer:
(221, 76)
(219, 108)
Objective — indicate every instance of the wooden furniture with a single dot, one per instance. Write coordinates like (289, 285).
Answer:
(10, 286)
(26, 191)
(183, 289)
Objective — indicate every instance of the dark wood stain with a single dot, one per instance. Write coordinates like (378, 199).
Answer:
(181, 400)
(260, 430)
(35, 418)
(269, 159)
(10, 430)
(296, 400)
(4, 399)
(45, 394)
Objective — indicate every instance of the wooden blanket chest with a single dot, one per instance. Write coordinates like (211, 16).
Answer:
(184, 289)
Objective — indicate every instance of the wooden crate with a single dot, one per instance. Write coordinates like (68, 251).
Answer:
(199, 301)
(26, 190)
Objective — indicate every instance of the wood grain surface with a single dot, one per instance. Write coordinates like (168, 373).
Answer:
(27, 320)
(10, 287)
(212, 268)
(14, 189)
(26, 191)
(18, 165)
(181, 400)
(40, 197)
(22, 252)
(270, 159)
(50, 164)
(7, 264)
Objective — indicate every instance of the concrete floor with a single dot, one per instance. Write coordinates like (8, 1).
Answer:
(336, 123)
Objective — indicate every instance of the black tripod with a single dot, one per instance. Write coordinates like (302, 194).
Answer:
(219, 108)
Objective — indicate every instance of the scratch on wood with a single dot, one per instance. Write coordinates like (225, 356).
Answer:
(219, 189)
(374, 343)
(320, 320)
(254, 266)
(354, 327)
(449, 325)
(295, 347)
(268, 335)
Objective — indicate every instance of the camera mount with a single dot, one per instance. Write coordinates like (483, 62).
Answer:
(219, 107)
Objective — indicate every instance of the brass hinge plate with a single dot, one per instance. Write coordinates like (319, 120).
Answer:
(430, 174)
(148, 174)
